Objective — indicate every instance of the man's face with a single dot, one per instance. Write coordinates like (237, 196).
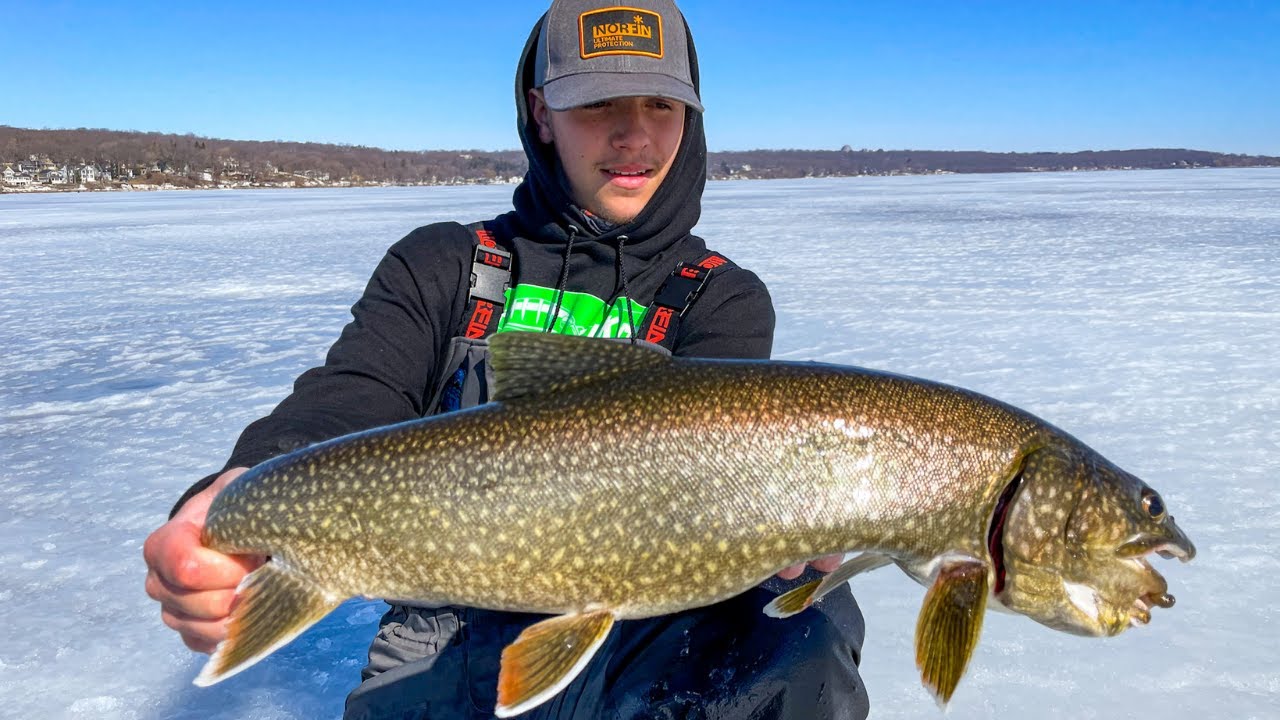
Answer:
(615, 153)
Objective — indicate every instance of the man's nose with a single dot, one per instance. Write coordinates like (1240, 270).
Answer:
(630, 130)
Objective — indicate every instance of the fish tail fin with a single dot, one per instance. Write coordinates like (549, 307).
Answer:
(273, 606)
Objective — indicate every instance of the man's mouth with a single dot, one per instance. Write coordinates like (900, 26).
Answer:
(629, 177)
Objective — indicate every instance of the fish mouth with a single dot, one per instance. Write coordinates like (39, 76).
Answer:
(1180, 548)
(1173, 550)
(1158, 595)
(1138, 551)
(1140, 612)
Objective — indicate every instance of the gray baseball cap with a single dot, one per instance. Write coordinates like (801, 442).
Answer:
(593, 50)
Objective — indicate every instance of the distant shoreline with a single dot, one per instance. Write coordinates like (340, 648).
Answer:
(147, 188)
(69, 160)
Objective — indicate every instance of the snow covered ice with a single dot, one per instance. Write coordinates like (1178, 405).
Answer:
(1139, 311)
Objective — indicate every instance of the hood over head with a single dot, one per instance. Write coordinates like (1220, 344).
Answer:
(544, 203)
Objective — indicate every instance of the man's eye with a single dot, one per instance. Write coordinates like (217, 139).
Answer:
(597, 105)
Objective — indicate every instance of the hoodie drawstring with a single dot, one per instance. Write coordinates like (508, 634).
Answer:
(564, 278)
(626, 294)
(564, 283)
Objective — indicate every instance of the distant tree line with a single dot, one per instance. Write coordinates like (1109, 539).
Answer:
(846, 162)
(190, 157)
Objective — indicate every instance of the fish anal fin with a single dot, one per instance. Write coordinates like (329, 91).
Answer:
(532, 364)
(273, 606)
(546, 657)
(798, 599)
(949, 625)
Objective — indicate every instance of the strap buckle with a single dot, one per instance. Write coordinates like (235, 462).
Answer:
(683, 285)
(490, 275)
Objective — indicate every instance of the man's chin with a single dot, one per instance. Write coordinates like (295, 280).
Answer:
(613, 216)
(614, 219)
(618, 210)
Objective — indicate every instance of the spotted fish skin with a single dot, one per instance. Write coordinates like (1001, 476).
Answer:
(611, 479)
(648, 493)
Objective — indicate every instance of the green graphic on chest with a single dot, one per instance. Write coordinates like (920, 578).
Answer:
(529, 308)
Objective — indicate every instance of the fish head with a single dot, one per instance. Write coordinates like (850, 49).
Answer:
(1071, 546)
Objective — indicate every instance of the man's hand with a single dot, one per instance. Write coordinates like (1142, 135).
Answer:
(823, 564)
(193, 584)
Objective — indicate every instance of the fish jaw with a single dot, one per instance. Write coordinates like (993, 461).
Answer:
(1139, 552)
(1107, 612)
(1179, 546)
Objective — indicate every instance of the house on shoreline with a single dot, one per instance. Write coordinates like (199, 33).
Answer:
(14, 177)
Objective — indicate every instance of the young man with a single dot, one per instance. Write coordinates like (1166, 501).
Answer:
(611, 121)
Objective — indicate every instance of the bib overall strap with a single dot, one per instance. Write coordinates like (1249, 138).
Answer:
(677, 293)
(463, 380)
(490, 279)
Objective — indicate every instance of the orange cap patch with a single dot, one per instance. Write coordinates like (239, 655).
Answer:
(620, 31)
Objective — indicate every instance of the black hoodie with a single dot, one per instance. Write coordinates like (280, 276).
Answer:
(383, 367)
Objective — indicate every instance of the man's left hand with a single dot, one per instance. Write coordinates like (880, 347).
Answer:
(823, 564)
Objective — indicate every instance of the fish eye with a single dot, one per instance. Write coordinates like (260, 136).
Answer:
(1152, 503)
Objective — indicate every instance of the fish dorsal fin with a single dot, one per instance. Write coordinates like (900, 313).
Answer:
(546, 657)
(531, 364)
(949, 625)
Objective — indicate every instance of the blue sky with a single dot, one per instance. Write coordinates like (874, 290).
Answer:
(1002, 76)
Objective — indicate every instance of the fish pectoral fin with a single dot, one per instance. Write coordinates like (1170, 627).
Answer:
(799, 599)
(949, 625)
(273, 606)
(546, 657)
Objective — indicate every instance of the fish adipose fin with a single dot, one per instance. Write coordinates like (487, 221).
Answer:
(949, 624)
(530, 364)
(273, 606)
(798, 599)
(546, 657)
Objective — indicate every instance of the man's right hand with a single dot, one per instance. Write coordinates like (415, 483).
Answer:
(193, 584)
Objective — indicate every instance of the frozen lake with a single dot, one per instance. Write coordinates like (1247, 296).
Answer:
(1140, 311)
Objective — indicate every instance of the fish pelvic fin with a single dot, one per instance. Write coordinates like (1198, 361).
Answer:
(546, 657)
(949, 625)
(799, 599)
(793, 601)
(532, 364)
(273, 605)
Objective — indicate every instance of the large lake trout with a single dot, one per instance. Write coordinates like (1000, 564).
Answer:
(607, 482)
